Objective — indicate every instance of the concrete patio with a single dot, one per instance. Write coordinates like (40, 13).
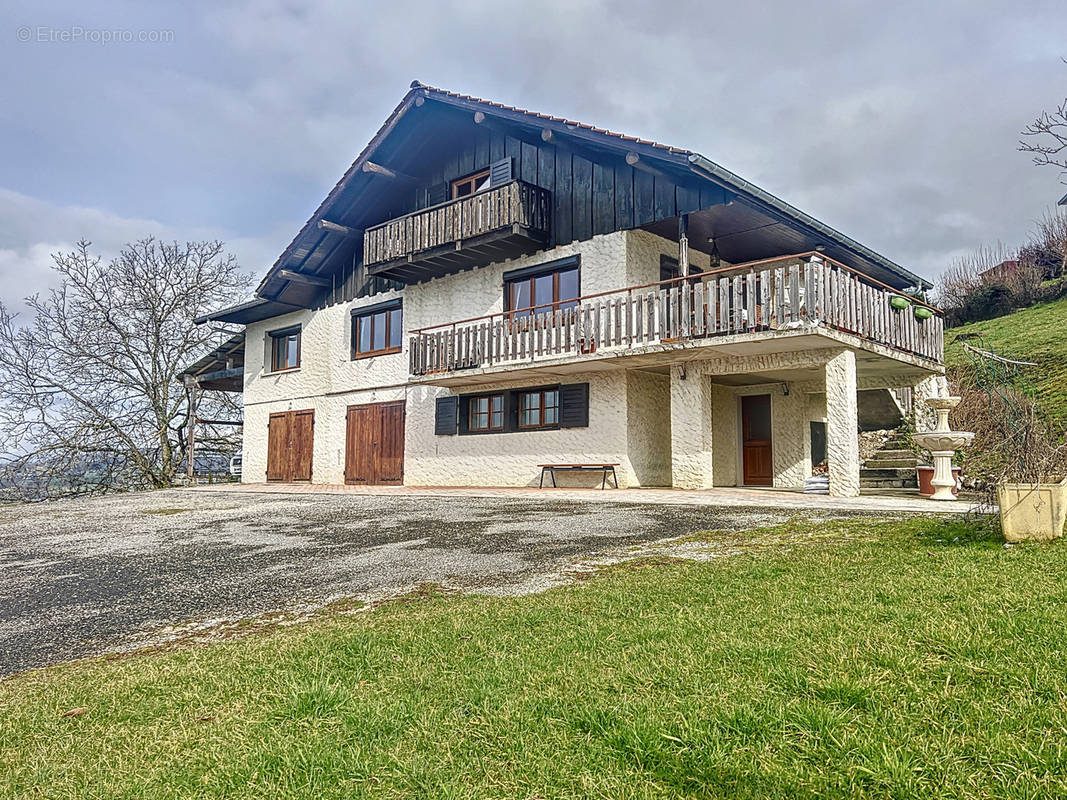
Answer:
(876, 500)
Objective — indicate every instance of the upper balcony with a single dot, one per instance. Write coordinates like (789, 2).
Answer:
(774, 305)
(504, 221)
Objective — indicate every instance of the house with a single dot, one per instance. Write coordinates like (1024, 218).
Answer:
(1002, 272)
(488, 289)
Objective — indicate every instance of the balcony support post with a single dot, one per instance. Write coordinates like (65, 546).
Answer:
(683, 246)
(842, 425)
(691, 430)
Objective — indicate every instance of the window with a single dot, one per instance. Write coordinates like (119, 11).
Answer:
(487, 413)
(285, 349)
(377, 330)
(470, 184)
(539, 409)
(668, 268)
(539, 292)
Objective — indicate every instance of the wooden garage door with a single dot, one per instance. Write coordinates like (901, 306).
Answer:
(374, 444)
(290, 443)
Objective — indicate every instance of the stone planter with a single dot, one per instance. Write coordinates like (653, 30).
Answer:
(1033, 511)
(926, 475)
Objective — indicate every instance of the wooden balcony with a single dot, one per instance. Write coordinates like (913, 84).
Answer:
(501, 222)
(803, 294)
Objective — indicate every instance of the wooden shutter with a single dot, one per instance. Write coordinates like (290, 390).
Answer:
(445, 417)
(437, 193)
(301, 444)
(278, 447)
(500, 172)
(574, 405)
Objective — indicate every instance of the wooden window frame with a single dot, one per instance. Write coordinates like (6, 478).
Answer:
(541, 408)
(386, 310)
(530, 276)
(473, 179)
(283, 335)
(489, 427)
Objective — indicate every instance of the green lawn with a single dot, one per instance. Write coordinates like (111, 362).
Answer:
(871, 659)
(1037, 334)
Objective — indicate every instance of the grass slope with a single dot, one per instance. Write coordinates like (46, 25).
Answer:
(1037, 334)
(893, 660)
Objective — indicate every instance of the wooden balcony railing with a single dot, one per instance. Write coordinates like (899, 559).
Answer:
(513, 208)
(807, 290)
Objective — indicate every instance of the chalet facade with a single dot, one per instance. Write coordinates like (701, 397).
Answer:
(489, 289)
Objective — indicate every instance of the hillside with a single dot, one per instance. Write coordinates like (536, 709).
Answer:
(1037, 334)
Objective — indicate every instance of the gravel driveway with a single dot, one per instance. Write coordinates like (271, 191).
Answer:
(84, 577)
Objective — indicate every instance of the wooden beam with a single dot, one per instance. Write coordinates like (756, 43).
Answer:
(635, 161)
(344, 230)
(300, 277)
(378, 169)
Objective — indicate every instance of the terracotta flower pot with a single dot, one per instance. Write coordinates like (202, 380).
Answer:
(926, 474)
(1033, 511)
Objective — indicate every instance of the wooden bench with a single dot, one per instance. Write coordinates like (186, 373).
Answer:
(552, 469)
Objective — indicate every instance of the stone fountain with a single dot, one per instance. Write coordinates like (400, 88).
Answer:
(942, 442)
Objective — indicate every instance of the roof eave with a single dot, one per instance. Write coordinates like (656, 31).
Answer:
(701, 164)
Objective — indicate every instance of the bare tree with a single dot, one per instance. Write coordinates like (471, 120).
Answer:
(964, 276)
(90, 398)
(1051, 237)
(1046, 138)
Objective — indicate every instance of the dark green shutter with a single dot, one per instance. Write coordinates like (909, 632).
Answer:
(446, 416)
(574, 405)
(437, 193)
(500, 172)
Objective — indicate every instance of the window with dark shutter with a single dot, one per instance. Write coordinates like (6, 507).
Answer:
(574, 405)
(446, 416)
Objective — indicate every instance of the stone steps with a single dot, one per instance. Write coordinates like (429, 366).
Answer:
(889, 463)
(892, 467)
(887, 483)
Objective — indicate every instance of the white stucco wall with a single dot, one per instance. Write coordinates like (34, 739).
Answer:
(658, 427)
(328, 380)
(511, 459)
(648, 427)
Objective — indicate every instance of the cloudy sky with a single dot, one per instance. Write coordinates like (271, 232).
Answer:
(897, 123)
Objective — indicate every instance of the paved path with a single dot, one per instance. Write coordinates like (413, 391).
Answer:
(84, 577)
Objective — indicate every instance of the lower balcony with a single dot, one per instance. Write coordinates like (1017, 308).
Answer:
(795, 302)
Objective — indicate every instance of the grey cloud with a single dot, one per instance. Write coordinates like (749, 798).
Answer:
(897, 124)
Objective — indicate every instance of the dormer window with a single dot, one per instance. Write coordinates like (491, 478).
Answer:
(470, 184)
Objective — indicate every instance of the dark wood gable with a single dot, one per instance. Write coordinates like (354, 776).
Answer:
(575, 180)
(590, 190)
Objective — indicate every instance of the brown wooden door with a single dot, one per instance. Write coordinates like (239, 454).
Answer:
(374, 444)
(290, 444)
(756, 440)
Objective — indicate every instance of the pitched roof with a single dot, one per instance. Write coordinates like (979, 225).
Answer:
(680, 158)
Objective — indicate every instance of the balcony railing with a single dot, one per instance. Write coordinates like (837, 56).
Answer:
(513, 210)
(794, 292)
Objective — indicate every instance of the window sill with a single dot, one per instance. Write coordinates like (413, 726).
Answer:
(277, 372)
(391, 351)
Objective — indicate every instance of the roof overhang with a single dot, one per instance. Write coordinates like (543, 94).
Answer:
(328, 235)
(251, 311)
(222, 369)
